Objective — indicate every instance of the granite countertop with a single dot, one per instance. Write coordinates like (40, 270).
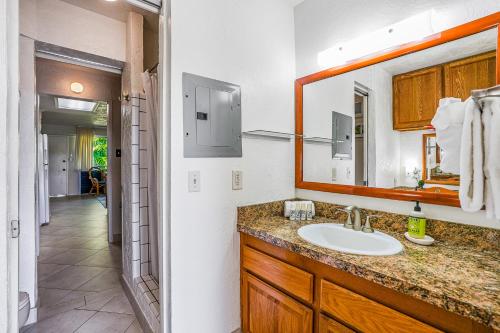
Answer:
(461, 279)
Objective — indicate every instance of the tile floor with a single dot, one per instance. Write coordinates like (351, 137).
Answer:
(79, 273)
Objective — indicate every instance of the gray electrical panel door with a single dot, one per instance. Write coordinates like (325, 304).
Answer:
(341, 136)
(212, 117)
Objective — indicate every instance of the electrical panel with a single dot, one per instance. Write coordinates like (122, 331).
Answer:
(212, 117)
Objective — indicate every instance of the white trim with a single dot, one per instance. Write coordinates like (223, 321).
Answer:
(76, 62)
(164, 190)
(9, 154)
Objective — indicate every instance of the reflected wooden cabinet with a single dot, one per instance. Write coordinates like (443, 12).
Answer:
(267, 310)
(462, 76)
(416, 97)
(416, 94)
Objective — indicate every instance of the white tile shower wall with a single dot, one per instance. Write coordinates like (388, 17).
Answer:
(145, 269)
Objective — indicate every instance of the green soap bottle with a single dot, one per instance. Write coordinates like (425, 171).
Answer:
(416, 222)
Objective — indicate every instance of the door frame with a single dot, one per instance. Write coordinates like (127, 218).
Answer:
(9, 161)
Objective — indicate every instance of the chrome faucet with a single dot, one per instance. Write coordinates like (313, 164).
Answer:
(357, 218)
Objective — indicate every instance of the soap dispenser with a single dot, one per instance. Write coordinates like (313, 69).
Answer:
(416, 222)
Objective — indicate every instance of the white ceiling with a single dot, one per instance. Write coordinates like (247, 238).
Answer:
(296, 2)
(476, 44)
(63, 117)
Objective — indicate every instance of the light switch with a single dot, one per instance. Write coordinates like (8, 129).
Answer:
(334, 174)
(237, 180)
(194, 181)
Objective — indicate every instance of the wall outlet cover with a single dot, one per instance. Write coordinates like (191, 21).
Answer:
(194, 181)
(237, 180)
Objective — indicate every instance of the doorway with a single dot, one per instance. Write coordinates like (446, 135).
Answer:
(361, 136)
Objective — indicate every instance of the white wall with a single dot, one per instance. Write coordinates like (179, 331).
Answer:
(63, 24)
(320, 24)
(27, 170)
(249, 43)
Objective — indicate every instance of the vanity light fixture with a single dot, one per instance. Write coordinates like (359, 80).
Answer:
(412, 29)
(76, 87)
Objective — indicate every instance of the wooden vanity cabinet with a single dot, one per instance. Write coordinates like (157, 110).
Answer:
(284, 292)
(415, 98)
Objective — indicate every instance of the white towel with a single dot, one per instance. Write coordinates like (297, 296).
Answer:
(448, 122)
(491, 123)
(471, 159)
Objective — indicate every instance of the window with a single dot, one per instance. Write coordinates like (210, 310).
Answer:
(101, 151)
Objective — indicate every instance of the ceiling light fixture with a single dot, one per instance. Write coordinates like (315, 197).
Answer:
(76, 87)
(75, 104)
(412, 29)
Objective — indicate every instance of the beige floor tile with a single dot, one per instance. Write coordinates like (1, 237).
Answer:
(107, 323)
(66, 322)
(118, 304)
(47, 252)
(97, 300)
(46, 270)
(109, 279)
(71, 277)
(135, 327)
(103, 258)
(50, 297)
(69, 256)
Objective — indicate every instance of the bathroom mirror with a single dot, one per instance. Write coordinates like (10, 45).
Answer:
(364, 128)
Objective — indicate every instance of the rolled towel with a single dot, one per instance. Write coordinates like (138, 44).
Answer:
(471, 160)
(448, 122)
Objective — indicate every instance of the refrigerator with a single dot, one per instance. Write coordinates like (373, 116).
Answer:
(43, 180)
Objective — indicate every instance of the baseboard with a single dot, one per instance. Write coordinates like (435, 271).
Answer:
(238, 330)
(141, 318)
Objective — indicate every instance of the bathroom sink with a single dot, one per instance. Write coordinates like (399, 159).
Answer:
(336, 237)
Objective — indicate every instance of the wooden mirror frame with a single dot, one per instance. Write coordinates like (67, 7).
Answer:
(438, 198)
(454, 182)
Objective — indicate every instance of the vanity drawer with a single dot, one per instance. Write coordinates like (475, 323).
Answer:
(295, 281)
(364, 314)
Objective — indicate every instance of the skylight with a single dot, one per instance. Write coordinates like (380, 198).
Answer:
(75, 104)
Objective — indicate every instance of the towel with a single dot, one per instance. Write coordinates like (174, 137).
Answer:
(471, 159)
(448, 122)
(491, 127)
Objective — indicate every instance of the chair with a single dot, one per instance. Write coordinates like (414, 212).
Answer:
(97, 180)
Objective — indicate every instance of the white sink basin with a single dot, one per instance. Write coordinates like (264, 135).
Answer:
(336, 237)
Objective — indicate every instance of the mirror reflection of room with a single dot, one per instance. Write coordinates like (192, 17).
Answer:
(390, 119)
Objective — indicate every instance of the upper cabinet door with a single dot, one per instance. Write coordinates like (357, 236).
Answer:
(416, 98)
(462, 76)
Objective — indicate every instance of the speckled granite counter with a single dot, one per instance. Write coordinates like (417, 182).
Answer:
(461, 278)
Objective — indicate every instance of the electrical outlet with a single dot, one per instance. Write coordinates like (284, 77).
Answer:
(237, 180)
(194, 181)
(334, 174)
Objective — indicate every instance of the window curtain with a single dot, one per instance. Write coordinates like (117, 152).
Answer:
(150, 83)
(84, 148)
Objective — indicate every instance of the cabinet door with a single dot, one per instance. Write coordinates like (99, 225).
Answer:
(267, 310)
(416, 98)
(328, 325)
(462, 76)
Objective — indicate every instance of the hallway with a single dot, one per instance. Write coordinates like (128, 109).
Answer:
(79, 273)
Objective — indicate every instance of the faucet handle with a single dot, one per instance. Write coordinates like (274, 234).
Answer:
(348, 223)
(367, 227)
